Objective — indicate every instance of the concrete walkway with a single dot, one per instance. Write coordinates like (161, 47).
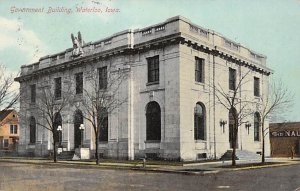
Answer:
(204, 167)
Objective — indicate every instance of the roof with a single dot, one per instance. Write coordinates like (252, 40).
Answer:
(285, 125)
(5, 113)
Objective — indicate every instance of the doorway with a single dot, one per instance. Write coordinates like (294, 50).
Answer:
(78, 120)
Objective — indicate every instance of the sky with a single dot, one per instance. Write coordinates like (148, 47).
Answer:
(270, 27)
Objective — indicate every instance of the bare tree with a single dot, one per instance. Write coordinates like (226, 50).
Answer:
(277, 99)
(101, 98)
(238, 106)
(8, 94)
(48, 104)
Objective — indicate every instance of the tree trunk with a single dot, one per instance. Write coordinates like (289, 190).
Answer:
(97, 155)
(234, 145)
(234, 137)
(263, 142)
(54, 151)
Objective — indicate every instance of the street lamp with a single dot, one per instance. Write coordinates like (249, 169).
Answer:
(81, 127)
(59, 129)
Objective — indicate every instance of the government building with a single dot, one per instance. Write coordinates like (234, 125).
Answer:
(171, 110)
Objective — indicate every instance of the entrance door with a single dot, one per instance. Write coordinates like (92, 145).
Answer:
(78, 120)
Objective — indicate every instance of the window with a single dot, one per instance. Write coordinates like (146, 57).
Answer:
(256, 126)
(33, 93)
(256, 86)
(153, 121)
(199, 122)
(103, 77)
(79, 83)
(32, 129)
(5, 143)
(57, 88)
(13, 129)
(153, 69)
(103, 134)
(232, 79)
(199, 70)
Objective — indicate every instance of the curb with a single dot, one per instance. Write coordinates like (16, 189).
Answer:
(112, 167)
(154, 169)
(260, 167)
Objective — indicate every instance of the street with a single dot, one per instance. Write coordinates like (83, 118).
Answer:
(31, 177)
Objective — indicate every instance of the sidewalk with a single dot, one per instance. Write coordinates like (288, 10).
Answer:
(203, 167)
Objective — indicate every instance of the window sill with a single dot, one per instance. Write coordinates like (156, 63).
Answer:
(200, 141)
(152, 141)
(152, 83)
(199, 83)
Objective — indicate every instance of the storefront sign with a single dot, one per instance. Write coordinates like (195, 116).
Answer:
(286, 133)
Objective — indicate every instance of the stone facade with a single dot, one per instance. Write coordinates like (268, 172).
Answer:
(177, 42)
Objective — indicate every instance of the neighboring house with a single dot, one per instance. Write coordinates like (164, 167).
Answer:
(171, 110)
(9, 130)
(285, 139)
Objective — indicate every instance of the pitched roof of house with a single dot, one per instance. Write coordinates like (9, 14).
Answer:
(5, 113)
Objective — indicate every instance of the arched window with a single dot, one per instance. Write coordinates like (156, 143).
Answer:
(32, 129)
(153, 121)
(57, 122)
(199, 122)
(256, 126)
(103, 119)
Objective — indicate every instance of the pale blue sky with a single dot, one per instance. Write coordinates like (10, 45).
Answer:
(270, 27)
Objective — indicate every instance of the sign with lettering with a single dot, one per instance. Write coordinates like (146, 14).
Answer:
(287, 133)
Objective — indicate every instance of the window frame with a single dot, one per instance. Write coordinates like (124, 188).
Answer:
(79, 83)
(153, 69)
(232, 79)
(153, 121)
(33, 93)
(199, 70)
(199, 123)
(13, 129)
(5, 143)
(256, 128)
(103, 131)
(256, 86)
(32, 130)
(57, 88)
(102, 73)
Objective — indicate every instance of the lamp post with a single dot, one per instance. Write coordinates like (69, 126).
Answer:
(59, 130)
(222, 124)
(81, 127)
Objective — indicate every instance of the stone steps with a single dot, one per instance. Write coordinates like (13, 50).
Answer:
(66, 155)
(241, 155)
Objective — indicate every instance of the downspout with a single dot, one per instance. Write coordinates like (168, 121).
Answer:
(240, 127)
(214, 97)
